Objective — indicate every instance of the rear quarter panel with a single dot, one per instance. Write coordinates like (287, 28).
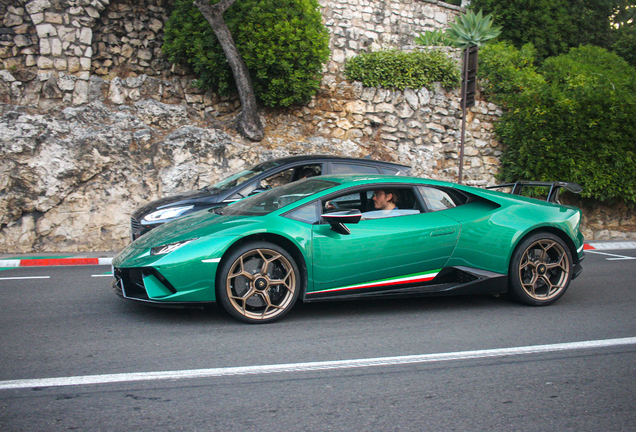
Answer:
(491, 230)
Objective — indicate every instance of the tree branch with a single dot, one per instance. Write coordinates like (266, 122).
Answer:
(249, 123)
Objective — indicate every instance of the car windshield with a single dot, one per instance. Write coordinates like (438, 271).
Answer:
(274, 199)
(240, 177)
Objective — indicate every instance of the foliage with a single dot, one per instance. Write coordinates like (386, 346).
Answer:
(398, 70)
(508, 71)
(469, 29)
(552, 26)
(435, 37)
(624, 13)
(625, 43)
(472, 29)
(571, 120)
(283, 43)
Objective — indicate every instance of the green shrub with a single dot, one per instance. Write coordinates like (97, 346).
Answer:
(625, 44)
(394, 69)
(571, 120)
(435, 37)
(283, 43)
(510, 71)
(552, 26)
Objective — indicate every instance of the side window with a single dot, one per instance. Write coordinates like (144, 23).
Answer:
(306, 171)
(388, 202)
(243, 192)
(436, 199)
(341, 168)
(308, 213)
(277, 179)
(345, 202)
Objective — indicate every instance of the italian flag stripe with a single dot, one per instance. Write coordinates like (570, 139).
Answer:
(414, 278)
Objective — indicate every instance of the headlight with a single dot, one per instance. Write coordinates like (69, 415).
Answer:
(165, 249)
(163, 214)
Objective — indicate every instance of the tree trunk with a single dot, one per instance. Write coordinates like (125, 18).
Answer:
(249, 122)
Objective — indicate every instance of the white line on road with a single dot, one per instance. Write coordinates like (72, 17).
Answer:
(103, 275)
(26, 277)
(313, 366)
(616, 257)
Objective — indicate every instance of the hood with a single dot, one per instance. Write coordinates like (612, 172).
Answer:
(196, 225)
(197, 197)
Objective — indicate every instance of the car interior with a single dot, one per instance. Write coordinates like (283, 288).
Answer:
(407, 203)
(429, 199)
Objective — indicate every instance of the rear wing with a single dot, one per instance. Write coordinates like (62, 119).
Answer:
(555, 188)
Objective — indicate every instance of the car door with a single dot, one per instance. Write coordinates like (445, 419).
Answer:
(381, 255)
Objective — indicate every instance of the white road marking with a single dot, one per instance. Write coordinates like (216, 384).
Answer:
(103, 275)
(313, 366)
(26, 277)
(616, 257)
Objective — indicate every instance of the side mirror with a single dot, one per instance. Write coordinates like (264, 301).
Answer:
(337, 220)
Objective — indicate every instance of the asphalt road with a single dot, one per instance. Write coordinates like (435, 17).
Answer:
(215, 374)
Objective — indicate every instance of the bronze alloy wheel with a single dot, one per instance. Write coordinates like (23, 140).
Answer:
(541, 269)
(261, 283)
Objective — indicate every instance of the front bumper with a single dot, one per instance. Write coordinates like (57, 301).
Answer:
(149, 286)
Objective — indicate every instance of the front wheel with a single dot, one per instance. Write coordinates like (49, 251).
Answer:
(258, 283)
(540, 269)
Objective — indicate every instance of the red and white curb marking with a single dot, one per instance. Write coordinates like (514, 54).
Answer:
(610, 245)
(46, 262)
(597, 247)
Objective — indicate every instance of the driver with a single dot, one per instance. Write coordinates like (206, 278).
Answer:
(385, 199)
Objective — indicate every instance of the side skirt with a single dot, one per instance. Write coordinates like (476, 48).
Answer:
(449, 281)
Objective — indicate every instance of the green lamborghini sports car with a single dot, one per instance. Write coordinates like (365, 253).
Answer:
(350, 237)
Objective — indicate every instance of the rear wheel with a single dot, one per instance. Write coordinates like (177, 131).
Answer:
(540, 269)
(258, 283)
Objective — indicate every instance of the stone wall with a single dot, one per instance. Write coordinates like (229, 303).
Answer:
(127, 39)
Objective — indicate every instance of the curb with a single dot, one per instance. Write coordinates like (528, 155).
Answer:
(609, 245)
(49, 262)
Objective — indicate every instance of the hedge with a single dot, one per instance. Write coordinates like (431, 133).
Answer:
(573, 119)
(394, 69)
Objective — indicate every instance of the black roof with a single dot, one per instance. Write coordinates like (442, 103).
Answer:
(292, 159)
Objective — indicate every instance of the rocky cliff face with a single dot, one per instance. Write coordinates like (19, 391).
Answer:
(70, 178)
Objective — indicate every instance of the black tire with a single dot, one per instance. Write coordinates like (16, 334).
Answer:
(540, 270)
(258, 283)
